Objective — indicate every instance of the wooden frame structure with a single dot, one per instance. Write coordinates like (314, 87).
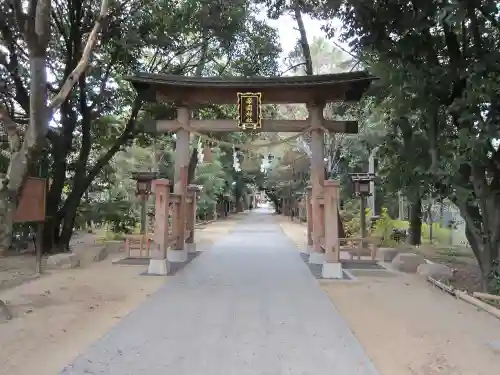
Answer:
(315, 91)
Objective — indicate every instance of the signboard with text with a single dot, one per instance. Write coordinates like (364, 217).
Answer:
(249, 110)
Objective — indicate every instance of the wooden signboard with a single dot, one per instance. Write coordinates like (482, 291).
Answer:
(31, 207)
(249, 110)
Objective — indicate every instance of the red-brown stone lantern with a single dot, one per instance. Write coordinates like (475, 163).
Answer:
(143, 190)
(361, 182)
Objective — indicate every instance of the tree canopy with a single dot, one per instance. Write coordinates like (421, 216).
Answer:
(431, 118)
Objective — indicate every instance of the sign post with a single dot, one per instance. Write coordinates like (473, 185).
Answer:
(249, 110)
(31, 209)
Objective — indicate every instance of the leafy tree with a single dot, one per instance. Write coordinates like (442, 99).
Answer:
(103, 116)
(211, 177)
(447, 96)
(30, 29)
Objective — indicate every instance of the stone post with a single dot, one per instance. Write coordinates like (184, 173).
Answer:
(309, 216)
(317, 179)
(158, 264)
(332, 268)
(178, 252)
(362, 220)
(191, 218)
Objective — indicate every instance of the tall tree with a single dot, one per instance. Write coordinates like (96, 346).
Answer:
(450, 94)
(31, 29)
(103, 115)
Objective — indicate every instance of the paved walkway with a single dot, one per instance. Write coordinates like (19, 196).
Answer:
(248, 306)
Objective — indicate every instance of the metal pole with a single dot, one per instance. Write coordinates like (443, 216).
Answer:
(362, 220)
(144, 213)
(371, 169)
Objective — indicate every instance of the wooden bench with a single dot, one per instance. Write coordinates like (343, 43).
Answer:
(137, 243)
(354, 246)
(356, 249)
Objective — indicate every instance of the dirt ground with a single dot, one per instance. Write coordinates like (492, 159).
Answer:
(467, 275)
(57, 316)
(407, 327)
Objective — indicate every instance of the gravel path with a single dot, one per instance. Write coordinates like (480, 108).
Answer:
(248, 306)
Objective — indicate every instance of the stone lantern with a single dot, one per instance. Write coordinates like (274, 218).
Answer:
(361, 183)
(143, 190)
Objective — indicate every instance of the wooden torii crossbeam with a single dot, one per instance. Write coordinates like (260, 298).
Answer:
(314, 91)
(268, 126)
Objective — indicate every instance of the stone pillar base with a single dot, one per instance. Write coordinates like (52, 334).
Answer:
(316, 258)
(191, 247)
(177, 256)
(158, 267)
(306, 250)
(332, 271)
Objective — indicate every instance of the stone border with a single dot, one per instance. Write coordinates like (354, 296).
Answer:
(316, 271)
(173, 267)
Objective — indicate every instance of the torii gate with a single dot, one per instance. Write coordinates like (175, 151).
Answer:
(188, 92)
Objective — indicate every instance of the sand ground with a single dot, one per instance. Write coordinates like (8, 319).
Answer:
(408, 327)
(58, 315)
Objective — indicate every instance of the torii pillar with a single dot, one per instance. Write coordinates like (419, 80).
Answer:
(309, 216)
(315, 118)
(179, 252)
(158, 264)
(332, 268)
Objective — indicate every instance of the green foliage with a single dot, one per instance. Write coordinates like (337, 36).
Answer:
(494, 278)
(121, 217)
(211, 177)
(352, 227)
(440, 235)
(118, 214)
(384, 228)
(439, 106)
(102, 115)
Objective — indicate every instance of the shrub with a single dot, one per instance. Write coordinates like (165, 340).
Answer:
(494, 278)
(352, 227)
(384, 228)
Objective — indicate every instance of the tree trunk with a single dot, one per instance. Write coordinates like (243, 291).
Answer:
(239, 203)
(8, 194)
(304, 44)
(340, 226)
(37, 36)
(430, 221)
(415, 237)
(486, 248)
(193, 163)
(8, 205)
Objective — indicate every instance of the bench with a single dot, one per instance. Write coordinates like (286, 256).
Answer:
(356, 249)
(354, 246)
(137, 243)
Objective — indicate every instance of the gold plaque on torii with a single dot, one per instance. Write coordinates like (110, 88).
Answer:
(249, 110)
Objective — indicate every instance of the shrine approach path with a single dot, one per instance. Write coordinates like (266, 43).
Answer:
(246, 306)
